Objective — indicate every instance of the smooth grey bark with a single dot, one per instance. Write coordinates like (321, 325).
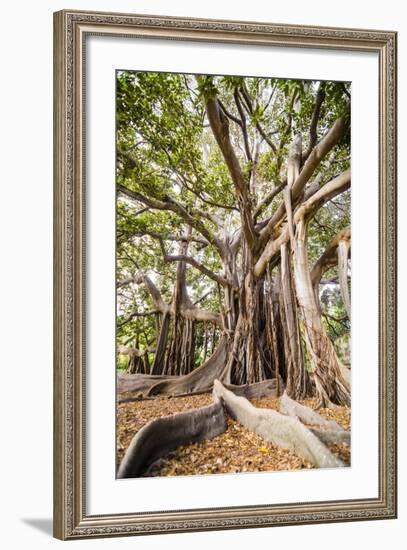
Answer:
(328, 431)
(343, 254)
(306, 209)
(296, 371)
(336, 253)
(332, 436)
(277, 428)
(331, 387)
(292, 408)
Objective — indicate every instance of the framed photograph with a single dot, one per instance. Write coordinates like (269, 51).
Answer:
(225, 274)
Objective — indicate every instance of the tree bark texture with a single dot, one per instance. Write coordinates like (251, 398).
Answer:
(162, 435)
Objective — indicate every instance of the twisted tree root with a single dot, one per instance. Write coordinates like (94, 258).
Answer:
(259, 389)
(291, 408)
(162, 435)
(331, 431)
(281, 430)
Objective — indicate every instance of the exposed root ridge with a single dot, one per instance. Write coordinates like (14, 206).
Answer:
(331, 431)
(281, 430)
(160, 436)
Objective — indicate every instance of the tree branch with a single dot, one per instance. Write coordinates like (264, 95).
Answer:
(191, 261)
(243, 125)
(293, 168)
(175, 238)
(268, 199)
(133, 315)
(152, 289)
(343, 253)
(329, 257)
(249, 108)
(331, 138)
(314, 121)
(306, 210)
(220, 129)
(229, 114)
(168, 203)
(205, 200)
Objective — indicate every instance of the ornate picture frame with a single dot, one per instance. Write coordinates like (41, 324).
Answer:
(71, 31)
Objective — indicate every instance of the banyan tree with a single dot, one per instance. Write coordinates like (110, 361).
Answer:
(233, 233)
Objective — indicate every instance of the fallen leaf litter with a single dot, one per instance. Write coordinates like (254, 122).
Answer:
(236, 450)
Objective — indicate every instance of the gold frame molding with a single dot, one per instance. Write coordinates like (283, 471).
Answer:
(70, 31)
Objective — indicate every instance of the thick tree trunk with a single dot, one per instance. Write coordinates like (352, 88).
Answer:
(343, 253)
(274, 356)
(248, 361)
(330, 385)
(253, 324)
(181, 345)
(158, 366)
(138, 359)
(252, 358)
(181, 354)
(135, 364)
(277, 327)
(296, 385)
(200, 379)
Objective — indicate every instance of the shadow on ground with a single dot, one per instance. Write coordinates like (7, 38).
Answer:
(40, 524)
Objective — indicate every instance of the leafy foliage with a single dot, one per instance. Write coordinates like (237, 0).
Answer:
(167, 153)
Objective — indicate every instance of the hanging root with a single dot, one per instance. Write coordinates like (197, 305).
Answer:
(281, 430)
(196, 382)
(331, 387)
(160, 436)
(199, 380)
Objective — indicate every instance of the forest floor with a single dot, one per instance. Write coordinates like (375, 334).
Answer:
(236, 450)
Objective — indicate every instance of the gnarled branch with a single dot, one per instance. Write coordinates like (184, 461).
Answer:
(168, 203)
(336, 186)
(331, 138)
(329, 257)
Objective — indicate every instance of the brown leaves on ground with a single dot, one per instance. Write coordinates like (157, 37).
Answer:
(236, 450)
(341, 415)
(132, 416)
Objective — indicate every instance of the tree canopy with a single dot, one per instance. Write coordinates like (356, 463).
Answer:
(233, 230)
